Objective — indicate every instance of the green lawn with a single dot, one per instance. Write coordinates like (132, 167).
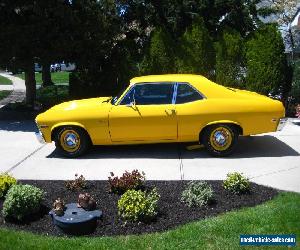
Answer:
(5, 81)
(4, 93)
(279, 216)
(61, 78)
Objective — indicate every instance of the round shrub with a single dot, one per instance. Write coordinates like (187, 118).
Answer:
(236, 183)
(197, 193)
(6, 181)
(22, 201)
(136, 205)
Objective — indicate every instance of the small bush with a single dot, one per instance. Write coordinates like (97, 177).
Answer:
(52, 95)
(236, 183)
(134, 180)
(137, 205)
(197, 193)
(77, 184)
(22, 201)
(6, 181)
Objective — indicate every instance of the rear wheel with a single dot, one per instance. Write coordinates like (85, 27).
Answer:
(220, 139)
(72, 141)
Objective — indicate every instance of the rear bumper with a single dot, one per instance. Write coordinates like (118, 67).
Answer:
(281, 123)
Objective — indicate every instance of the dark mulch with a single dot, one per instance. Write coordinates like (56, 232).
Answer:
(172, 212)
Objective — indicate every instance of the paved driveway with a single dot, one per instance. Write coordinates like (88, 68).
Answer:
(270, 159)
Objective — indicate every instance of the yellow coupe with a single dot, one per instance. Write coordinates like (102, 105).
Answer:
(162, 109)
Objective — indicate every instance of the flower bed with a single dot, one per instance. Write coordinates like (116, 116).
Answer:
(172, 211)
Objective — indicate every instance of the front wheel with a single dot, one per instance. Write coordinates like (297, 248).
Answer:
(220, 139)
(72, 141)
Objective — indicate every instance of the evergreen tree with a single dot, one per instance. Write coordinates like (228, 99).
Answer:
(266, 62)
(230, 59)
(160, 56)
(196, 54)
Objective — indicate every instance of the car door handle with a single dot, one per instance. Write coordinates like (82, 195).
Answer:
(170, 111)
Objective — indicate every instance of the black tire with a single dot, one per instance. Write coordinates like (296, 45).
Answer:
(210, 142)
(62, 147)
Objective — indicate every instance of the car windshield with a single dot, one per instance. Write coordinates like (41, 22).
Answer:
(116, 98)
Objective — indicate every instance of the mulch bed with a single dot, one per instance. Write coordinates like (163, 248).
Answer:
(172, 212)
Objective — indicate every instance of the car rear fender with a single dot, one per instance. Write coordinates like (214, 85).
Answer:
(228, 122)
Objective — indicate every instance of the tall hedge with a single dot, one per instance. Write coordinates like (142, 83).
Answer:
(230, 69)
(196, 52)
(160, 57)
(266, 62)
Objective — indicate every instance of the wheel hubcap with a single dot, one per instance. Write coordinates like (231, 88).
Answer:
(221, 138)
(70, 140)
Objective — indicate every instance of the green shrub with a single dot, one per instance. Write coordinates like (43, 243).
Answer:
(197, 193)
(236, 183)
(6, 181)
(52, 95)
(22, 201)
(136, 205)
(134, 180)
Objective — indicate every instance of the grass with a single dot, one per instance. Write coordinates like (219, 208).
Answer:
(278, 216)
(59, 78)
(5, 81)
(4, 93)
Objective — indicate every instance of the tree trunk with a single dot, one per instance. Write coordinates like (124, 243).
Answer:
(46, 75)
(30, 84)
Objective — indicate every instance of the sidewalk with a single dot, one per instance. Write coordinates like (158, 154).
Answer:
(18, 90)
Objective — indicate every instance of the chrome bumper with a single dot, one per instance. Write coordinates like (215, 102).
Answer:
(40, 137)
(281, 123)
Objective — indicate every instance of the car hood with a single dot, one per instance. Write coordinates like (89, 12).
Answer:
(82, 104)
(76, 110)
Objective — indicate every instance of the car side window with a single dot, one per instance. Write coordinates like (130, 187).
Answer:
(186, 93)
(150, 94)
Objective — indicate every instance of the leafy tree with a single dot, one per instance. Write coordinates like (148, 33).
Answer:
(266, 62)
(176, 15)
(196, 54)
(81, 31)
(284, 11)
(230, 59)
(160, 57)
(18, 39)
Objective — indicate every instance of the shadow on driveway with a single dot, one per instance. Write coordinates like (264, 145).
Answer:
(248, 147)
(18, 126)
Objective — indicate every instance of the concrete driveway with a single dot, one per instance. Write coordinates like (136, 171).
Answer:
(271, 159)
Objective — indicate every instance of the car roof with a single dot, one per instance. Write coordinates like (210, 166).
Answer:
(204, 85)
(166, 78)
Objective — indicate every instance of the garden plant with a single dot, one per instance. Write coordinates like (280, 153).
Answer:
(77, 184)
(197, 193)
(137, 205)
(6, 181)
(22, 201)
(134, 180)
(237, 183)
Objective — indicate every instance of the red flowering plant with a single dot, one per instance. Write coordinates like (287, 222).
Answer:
(77, 184)
(119, 185)
(298, 111)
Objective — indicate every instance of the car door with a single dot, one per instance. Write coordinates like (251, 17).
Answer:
(146, 113)
(191, 112)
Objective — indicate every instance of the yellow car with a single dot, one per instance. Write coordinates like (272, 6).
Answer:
(162, 109)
